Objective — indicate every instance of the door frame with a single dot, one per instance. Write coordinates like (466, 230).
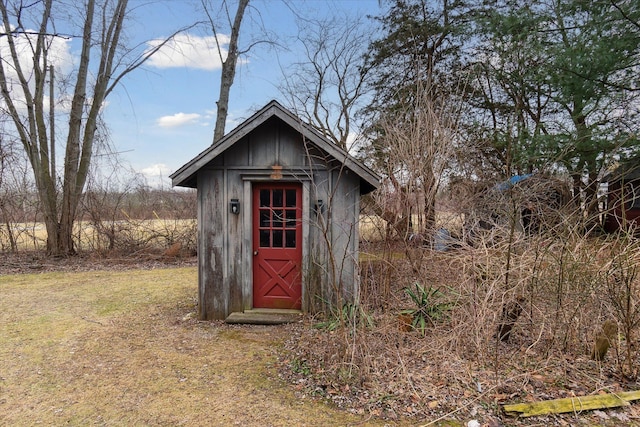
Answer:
(277, 266)
(247, 226)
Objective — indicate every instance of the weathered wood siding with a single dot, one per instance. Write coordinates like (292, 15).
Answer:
(271, 144)
(235, 233)
(225, 248)
(345, 210)
(214, 295)
(332, 266)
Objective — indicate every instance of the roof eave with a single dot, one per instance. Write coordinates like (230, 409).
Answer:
(186, 175)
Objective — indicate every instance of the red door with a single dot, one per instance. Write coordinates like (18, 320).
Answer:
(277, 246)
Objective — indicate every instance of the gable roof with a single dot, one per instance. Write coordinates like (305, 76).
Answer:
(185, 176)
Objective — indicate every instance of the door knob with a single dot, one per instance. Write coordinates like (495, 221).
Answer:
(255, 253)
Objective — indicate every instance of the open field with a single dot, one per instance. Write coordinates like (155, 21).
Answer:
(161, 233)
(372, 228)
(122, 348)
(131, 234)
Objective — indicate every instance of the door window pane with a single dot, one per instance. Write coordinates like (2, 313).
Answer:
(290, 198)
(264, 198)
(290, 238)
(264, 218)
(264, 238)
(291, 218)
(278, 218)
(277, 198)
(277, 239)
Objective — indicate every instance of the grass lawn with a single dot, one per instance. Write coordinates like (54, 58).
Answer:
(121, 348)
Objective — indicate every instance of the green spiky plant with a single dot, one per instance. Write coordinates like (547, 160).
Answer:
(429, 306)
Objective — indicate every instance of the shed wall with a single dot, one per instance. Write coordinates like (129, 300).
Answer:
(333, 261)
(344, 232)
(213, 294)
(623, 207)
(225, 248)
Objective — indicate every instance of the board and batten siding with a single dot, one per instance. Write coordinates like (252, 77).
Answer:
(225, 247)
(345, 211)
(333, 263)
(213, 292)
(274, 146)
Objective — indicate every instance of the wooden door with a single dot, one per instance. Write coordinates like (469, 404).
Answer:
(277, 245)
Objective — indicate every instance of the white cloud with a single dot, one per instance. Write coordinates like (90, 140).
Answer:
(59, 51)
(178, 119)
(158, 169)
(205, 119)
(157, 176)
(59, 55)
(188, 51)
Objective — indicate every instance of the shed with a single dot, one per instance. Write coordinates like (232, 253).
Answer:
(531, 203)
(622, 209)
(278, 210)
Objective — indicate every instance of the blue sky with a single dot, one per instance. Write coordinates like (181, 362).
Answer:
(164, 113)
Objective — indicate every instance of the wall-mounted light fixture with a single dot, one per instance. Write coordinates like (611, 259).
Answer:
(234, 206)
(318, 208)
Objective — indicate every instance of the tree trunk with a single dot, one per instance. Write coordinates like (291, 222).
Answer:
(429, 190)
(59, 210)
(228, 72)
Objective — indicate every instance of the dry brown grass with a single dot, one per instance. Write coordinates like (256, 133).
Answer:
(128, 234)
(372, 228)
(122, 348)
(116, 348)
(459, 369)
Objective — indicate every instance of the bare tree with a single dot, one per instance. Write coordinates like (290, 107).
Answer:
(228, 63)
(7, 193)
(327, 86)
(414, 150)
(25, 74)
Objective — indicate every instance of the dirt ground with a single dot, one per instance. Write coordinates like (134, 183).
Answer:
(97, 341)
(121, 346)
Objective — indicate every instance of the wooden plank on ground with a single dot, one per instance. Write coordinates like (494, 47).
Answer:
(572, 404)
(251, 317)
